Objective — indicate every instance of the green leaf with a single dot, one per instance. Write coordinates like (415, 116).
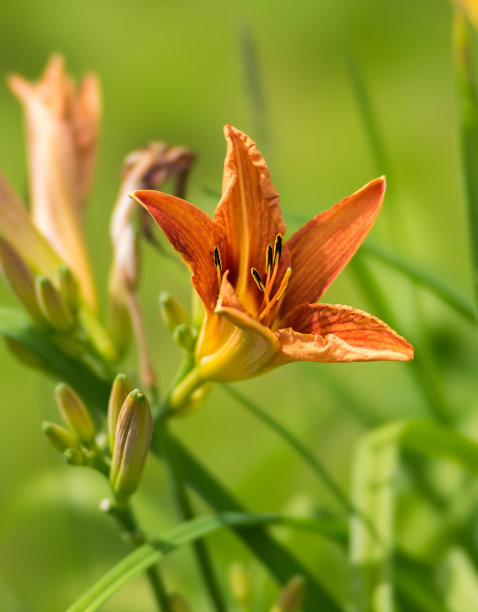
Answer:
(281, 563)
(375, 468)
(424, 279)
(41, 352)
(148, 554)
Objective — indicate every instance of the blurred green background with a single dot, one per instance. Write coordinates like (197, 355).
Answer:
(177, 71)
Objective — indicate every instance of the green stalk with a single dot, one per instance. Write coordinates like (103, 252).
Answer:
(178, 486)
(467, 102)
(127, 522)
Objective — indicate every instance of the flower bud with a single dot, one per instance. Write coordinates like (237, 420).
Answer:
(119, 392)
(132, 440)
(292, 596)
(68, 287)
(53, 304)
(177, 603)
(20, 279)
(60, 438)
(74, 456)
(185, 336)
(240, 582)
(75, 414)
(172, 313)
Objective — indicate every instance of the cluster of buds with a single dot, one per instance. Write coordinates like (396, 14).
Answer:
(130, 429)
(291, 596)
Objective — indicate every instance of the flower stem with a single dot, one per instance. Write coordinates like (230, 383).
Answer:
(127, 522)
(185, 507)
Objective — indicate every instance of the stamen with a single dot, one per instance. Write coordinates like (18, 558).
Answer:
(278, 248)
(218, 264)
(257, 278)
(269, 260)
(278, 295)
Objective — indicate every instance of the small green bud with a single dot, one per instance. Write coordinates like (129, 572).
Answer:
(53, 305)
(74, 456)
(119, 392)
(240, 582)
(60, 438)
(177, 603)
(197, 310)
(132, 440)
(68, 287)
(75, 414)
(20, 279)
(172, 312)
(185, 336)
(292, 596)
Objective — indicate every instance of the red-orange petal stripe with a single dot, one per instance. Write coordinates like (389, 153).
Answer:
(190, 231)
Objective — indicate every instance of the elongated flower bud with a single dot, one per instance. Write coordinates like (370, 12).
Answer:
(240, 582)
(68, 288)
(53, 304)
(60, 438)
(120, 390)
(75, 414)
(292, 596)
(132, 440)
(172, 313)
(20, 278)
(177, 603)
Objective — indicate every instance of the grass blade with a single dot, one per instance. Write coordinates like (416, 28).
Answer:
(467, 102)
(149, 554)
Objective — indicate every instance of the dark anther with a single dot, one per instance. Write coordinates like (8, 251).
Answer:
(278, 248)
(217, 259)
(257, 277)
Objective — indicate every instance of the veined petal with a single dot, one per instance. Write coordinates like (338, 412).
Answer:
(335, 333)
(324, 245)
(248, 217)
(190, 231)
(17, 227)
(233, 345)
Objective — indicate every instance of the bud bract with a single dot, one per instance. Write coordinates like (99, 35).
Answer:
(75, 414)
(185, 336)
(53, 305)
(60, 438)
(120, 390)
(74, 456)
(132, 439)
(292, 596)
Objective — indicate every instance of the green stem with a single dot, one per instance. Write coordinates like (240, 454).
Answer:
(185, 507)
(127, 522)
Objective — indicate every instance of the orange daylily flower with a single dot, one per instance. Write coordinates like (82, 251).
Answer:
(260, 291)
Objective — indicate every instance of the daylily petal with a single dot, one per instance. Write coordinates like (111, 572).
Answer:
(335, 333)
(190, 231)
(324, 245)
(248, 217)
(243, 347)
(17, 227)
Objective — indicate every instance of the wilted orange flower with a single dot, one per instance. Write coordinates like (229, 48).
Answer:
(260, 291)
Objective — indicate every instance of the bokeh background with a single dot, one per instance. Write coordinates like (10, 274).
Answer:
(282, 72)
